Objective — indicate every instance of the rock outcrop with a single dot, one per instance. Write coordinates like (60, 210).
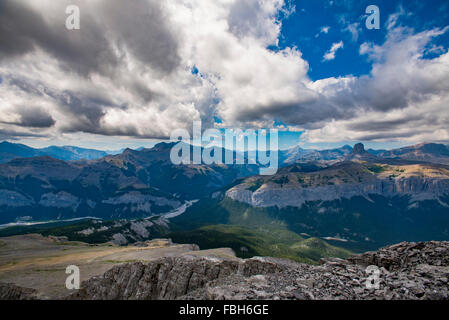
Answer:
(168, 278)
(406, 271)
(9, 291)
(344, 181)
(359, 148)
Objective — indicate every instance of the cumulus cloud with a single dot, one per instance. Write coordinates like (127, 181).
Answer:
(34, 117)
(128, 72)
(25, 29)
(323, 30)
(404, 98)
(120, 74)
(330, 55)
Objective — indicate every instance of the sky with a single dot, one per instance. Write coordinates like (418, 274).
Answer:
(136, 71)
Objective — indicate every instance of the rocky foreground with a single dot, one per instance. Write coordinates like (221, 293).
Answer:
(408, 271)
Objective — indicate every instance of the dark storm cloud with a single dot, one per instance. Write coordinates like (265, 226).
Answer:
(140, 27)
(16, 38)
(84, 51)
(142, 90)
(309, 114)
(15, 135)
(144, 29)
(85, 109)
(85, 112)
(35, 117)
(386, 125)
(24, 85)
(392, 135)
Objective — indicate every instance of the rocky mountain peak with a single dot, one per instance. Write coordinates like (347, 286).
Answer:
(359, 148)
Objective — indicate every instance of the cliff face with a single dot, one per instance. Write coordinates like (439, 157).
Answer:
(168, 278)
(273, 195)
(421, 182)
(407, 271)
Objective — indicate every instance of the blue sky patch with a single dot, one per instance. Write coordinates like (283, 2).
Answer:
(316, 25)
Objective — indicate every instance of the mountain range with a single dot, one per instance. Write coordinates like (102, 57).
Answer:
(10, 151)
(350, 197)
(131, 184)
(424, 152)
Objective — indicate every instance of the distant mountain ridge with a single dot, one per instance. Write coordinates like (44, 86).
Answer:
(424, 152)
(349, 194)
(297, 154)
(427, 152)
(127, 185)
(10, 151)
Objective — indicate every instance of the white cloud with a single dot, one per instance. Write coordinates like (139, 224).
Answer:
(323, 30)
(135, 78)
(393, 19)
(330, 55)
(405, 97)
(130, 74)
(353, 28)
